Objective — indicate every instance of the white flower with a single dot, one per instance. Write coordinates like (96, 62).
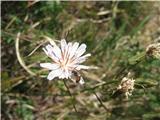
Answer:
(65, 59)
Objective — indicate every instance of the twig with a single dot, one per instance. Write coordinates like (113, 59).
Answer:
(10, 23)
(36, 48)
(127, 68)
(142, 87)
(62, 115)
(19, 57)
(74, 106)
(31, 3)
(100, 101)
(99, 85)
(12, 35)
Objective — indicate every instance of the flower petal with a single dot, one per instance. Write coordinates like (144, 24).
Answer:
(49, 66)
(65, 51)
(85, 56)
(67, 74)
(49, 51)
(74, 49)
(63, 44)
(69, 48)
(45, 51)
(62, 75)
(81, 50)
(79, 67)
(55, 50)
(81, 59)
(54, 74)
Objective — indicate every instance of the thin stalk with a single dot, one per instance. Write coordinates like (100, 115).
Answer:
(74, 106)
(100, 101)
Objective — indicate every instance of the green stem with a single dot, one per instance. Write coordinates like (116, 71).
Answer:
(100, 101)
(74, 106)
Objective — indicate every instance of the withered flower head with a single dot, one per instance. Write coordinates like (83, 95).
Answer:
(126, 85)
(153, 50)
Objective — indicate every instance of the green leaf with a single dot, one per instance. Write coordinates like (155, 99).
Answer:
(137, 58)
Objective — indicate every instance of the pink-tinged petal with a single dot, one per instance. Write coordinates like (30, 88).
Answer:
(57, 52)
(85, 56)
(65, 51)
(54, 73)
(81, 59)
(74, 49)
(63, 44)
(49, 48)
(81, 50)
(54, 51)
(49, 66)
(49, 51)
(79, 67)
(69, 50)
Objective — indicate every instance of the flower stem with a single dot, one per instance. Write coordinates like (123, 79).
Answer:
(100, 101)
(74, 106)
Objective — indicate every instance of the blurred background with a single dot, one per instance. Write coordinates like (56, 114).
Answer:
(116, 34)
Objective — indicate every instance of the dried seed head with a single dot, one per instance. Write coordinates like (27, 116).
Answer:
(153, 50)
(126, 85)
